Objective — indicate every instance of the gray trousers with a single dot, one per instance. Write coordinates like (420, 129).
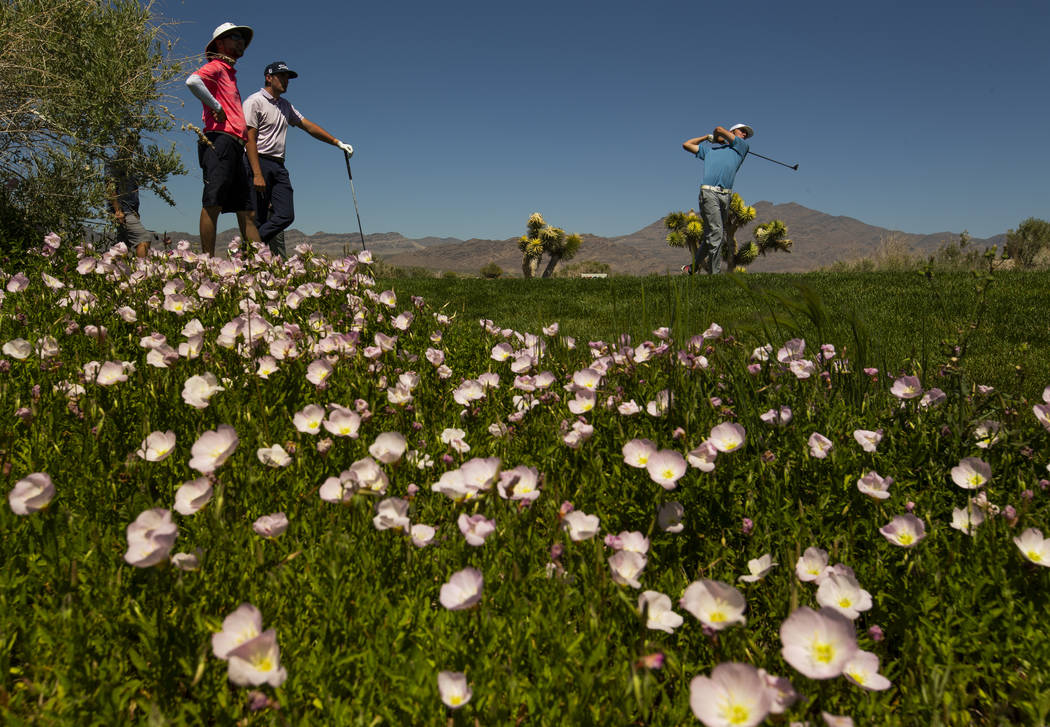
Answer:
(714, 211)
(132, 233)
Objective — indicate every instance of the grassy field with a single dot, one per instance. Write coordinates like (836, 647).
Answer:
(250, 491)
(910, 320)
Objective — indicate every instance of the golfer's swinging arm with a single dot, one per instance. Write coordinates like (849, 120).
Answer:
(360, 229)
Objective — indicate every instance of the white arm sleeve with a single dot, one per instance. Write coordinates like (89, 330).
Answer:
(196, 85)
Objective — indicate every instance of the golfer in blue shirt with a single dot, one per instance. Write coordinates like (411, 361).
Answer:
(723, 151)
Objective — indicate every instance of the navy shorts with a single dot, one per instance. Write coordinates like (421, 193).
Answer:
(226, 184)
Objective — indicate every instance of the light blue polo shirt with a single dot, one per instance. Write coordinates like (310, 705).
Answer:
(721, 161)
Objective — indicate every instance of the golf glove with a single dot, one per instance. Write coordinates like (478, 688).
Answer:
(345, 147)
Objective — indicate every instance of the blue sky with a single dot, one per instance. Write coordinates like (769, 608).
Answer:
(466, 117)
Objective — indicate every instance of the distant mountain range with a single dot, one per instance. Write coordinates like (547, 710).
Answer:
(819, 241)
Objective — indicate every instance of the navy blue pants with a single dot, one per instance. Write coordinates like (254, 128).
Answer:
(274, 210)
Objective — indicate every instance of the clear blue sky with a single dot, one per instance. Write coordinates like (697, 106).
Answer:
(468, 116)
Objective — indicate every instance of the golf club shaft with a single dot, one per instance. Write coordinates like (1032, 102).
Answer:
(354, 193)
(789, 166)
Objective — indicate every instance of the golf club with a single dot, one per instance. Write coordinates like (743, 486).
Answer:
(358, 213)
(789, 166)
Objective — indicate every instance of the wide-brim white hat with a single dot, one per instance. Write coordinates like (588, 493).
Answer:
(225, 28)
(745, 127)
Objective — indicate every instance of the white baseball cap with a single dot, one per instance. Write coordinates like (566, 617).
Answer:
(745, 127)
(225, 28)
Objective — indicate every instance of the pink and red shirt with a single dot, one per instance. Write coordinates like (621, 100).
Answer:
(220, 78)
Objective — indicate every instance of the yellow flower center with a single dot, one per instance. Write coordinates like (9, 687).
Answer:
(668, 473)
(905, 538)
(716, 617)
(823, 652)
(455, 700)
(264, 664)
(856, 676)
(736, 714)
(845, 602)
(1035, 556)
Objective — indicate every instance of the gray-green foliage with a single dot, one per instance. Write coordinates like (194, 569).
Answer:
(491, 270)
(1024, 243)
(82, 82)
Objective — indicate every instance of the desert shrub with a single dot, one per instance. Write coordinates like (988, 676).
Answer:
(1027, 241)
(82, 83)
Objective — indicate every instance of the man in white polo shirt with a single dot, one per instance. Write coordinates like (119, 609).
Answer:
(268, 116)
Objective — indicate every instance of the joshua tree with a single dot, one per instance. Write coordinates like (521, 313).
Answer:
(559, 247)
(686, 229)
(543, 238)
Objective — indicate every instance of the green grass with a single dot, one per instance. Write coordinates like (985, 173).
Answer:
(909, 319)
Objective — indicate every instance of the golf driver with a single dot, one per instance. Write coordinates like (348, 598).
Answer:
(358, 213)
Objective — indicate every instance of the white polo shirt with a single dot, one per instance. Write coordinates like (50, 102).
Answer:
(271, 116)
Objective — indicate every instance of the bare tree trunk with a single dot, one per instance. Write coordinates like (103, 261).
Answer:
(692, 246)
(729, 248)
(529, 265)
(551, 264)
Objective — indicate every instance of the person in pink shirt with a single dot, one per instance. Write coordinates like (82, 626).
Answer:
(221, 157)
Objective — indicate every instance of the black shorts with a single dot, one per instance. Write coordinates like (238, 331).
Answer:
(226, 184)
